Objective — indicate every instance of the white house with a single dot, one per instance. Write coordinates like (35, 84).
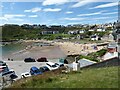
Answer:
(81, 31)
(94, 37)
(111, 37)
(100, 30)
(112, 51)
(50, 32)
(91, 30)
(73, 32)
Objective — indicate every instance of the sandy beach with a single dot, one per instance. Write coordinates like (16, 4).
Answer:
(55, 51)
(71, 48)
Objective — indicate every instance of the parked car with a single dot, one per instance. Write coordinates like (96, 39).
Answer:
(44, 69)
(52, 66)
(42, 59)
(2, 63)
(59, 64)
(13, 76)
(35, 71)
(25, 75)
(29, 60)
(62, 60)
(9, 75)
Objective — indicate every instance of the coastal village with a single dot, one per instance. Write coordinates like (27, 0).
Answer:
(96, 50)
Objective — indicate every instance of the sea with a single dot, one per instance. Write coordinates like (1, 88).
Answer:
(7, 51)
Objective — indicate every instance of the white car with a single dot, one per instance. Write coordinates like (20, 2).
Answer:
(25, 75)
(59, 64)
(52, 66)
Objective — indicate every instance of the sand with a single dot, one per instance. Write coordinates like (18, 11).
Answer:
(50, 52)
(58, 50)
(70, 48)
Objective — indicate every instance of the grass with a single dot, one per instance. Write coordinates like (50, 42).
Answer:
(87, 78)
(86, 40)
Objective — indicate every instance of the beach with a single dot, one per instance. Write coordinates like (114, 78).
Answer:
(70, 48)
(52, 52)
(55, 50)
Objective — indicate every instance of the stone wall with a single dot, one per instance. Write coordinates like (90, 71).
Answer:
(111, 62)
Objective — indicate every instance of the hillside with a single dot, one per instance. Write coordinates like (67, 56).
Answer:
(87, 78)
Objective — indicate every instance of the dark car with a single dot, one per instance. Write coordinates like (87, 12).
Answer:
(13, 76)
(42, 59)
(35, 71)
(59, 64)
(29, 60)
(44, 69)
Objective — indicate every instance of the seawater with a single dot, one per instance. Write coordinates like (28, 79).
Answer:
(10, 48)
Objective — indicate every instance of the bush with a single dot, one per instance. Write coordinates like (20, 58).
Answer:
(101, 52)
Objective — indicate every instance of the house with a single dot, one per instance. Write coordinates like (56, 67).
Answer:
(111, 37)
(91, 30)
(112, 51)
(73, 32)
(81, 31)
(95, 37)
(101, 30)
(49, 32)
(79, 36)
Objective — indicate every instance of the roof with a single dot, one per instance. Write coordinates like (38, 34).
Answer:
(112, 45)
(85, 62)
(34, 68)
(51, 63)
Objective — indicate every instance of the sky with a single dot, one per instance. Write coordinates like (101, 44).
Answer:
(58, 12)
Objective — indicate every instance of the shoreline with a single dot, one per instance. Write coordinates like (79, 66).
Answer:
(67, 48)
(70, 48)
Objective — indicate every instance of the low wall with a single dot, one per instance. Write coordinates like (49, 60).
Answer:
(111, 62)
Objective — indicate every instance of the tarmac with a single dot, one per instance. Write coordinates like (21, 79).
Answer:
(21, 67)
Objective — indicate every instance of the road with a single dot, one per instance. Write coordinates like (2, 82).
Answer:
(21, 67)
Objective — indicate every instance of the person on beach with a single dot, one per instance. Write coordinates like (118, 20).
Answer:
(8, 59)
(83, 47)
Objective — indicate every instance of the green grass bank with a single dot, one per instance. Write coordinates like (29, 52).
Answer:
(87, 78)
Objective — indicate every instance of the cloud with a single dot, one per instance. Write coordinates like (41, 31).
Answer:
(57, 2)
(3, 18)
(21, 0)
(69, 12)
(85, 2)
(12, 5)
(106, 5)
(1, 6)
(104, 18)
(13, 15)
(110, 13)
(17, 19)
(90, 14)
(82, 3)
(33, 16)
(52, 10)
(37, 9)
(74, 19)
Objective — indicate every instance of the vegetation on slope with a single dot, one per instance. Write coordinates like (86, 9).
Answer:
(95, 55)
(88, 78)
(16, 32)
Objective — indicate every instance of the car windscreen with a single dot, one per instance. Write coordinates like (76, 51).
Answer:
(27, 74)
(6, 73)
(37, 71)
(54, 66)
(48, 64)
